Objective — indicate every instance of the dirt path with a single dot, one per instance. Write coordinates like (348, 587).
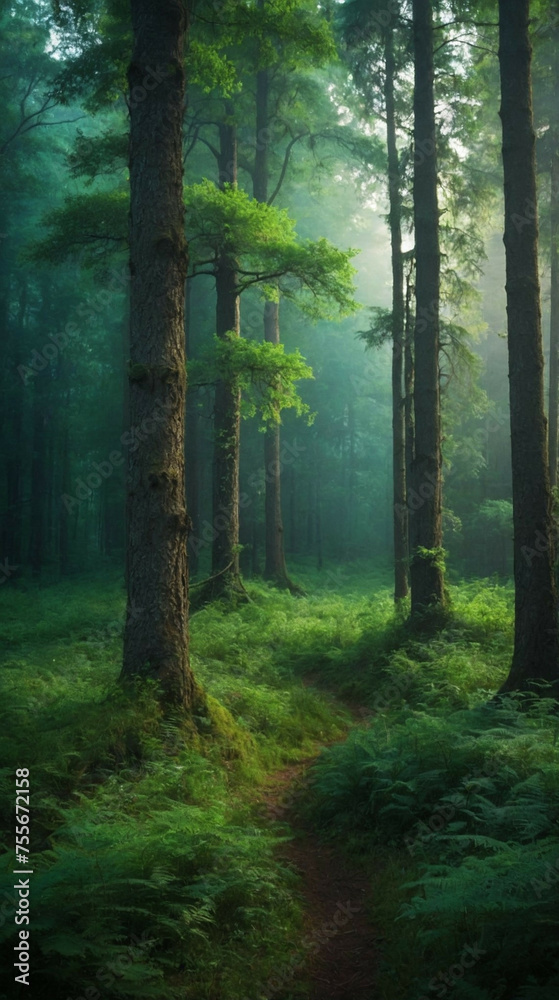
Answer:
(339, 954)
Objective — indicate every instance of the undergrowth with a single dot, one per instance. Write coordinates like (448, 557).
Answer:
(153, 875)
(453, 804)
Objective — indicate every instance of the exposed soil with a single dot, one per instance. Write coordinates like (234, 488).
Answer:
(339, 953)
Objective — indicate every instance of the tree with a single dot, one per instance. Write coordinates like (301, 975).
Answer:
(365, 24)
(156, 630)
(427, 588)
(536, 637)
(243, 242)
(546, 73)
(400, 522)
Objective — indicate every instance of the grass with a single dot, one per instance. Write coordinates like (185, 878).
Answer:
(452, 804)
(155, 877)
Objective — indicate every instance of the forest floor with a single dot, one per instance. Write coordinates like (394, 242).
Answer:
(353, 820)
(338, 960)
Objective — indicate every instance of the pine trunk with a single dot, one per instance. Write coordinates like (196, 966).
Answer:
(225, 579)
(536, 640)
(192, 463)
(275, 568)
(13, 528)
(427, 584)
(554, 320)
(400, 518)
(409, 378)
(156, 630)
(38, 512)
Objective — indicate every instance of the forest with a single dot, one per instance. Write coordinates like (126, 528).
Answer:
(279, 499)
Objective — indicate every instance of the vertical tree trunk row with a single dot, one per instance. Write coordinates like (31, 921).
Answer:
(536, 640)
(398, 315)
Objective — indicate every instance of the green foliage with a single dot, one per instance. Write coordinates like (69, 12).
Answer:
(92, 226)
(264, 372)
(458, 799)
(495, 515)
(153, 876)
(261, 240)
(435, 557)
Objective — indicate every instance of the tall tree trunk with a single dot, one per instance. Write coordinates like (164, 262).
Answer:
(427, 583)
(293, 539)
(351, 478)
(318, 522)
(65, 486)
(275, 568)
(156, 630)
(554, 319)
(536, 639)
(12, 543)
(192, 465)
(400, 528)
(409, 378)
(38, 512)
(225, 579)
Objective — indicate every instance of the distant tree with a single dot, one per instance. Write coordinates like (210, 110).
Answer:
(536, 635)
(242, 243)
(373, 35)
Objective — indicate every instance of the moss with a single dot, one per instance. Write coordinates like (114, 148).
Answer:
(137, 373)
(234, 742)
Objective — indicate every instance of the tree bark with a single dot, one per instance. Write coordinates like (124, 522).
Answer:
(400, 518)
(427, 583)
(536, 640)
(192, 464)
(554, 317)
(13, 527)
(40, 421)
(409, 378)
(156, 630)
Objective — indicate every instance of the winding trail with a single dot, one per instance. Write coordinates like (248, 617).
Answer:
(339, 953)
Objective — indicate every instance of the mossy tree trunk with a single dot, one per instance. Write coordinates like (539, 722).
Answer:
(156, 630)
(427, 584)
(536, 638)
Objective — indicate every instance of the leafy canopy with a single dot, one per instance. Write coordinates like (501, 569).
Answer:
(262, 242)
